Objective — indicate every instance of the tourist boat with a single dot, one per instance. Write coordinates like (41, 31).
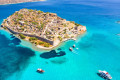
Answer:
(40, 70)
(70, 49)
(105, 75)
(74, 46)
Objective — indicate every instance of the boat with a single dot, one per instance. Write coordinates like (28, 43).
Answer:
(40, 70)
(118, 22)
(74, 46)
(70, 49)
(118, 34)
(105, 75)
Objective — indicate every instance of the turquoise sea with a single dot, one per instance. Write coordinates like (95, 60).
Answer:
(98, 48)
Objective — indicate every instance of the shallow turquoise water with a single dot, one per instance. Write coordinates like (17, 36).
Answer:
(98, 48)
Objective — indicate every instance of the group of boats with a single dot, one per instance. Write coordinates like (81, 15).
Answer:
(71, 49)
(103, 74)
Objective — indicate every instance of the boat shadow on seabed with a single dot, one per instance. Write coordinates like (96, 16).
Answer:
(102, 77)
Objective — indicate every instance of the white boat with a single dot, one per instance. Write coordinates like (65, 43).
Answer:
(40, 70)
(74, 46)
(105, 74)
(70, 49)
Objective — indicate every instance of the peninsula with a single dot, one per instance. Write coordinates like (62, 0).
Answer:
(45, 30)
(2, 2)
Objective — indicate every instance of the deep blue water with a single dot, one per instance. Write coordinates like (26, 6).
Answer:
(98, 48)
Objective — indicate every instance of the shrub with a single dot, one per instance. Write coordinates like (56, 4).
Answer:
(20, 15)
(22, 36)
(42, 25)
(30, 10)
(39, 27)
(4, 27)
(35, 23)
(40, 11)
(60, 38)
(36, 43)
(33, 38)
(40, 43)
(47, 12)
(46, 45)
(77, 24)
(16, 13)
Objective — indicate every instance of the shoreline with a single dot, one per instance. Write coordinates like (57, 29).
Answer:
(48, 39)
(39, 46)
(50, 48)
(20, 2)
(42, 47)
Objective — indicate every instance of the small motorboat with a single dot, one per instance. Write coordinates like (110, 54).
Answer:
(118, 22)
(70, 49)
(118, 34)
(74, 46)
(105, 75)
(40, 70)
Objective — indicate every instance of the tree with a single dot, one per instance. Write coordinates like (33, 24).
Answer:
(22, 36)
(40, 43)
(47, 45)
(42, 25)
(33, 38)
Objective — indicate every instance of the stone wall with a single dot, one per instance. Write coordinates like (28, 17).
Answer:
(30, 35)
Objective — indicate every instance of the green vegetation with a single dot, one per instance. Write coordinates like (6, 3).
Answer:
(18, 19)
(72, 36)
(40, 43)
(42, 25)
(72, 22)
(38, 24)
(77, 24)
(33, 38)
(46, 44)
(22, 36)
(47, 12)
(4, 27)
(30, 10)
(60, 38)
(16, 13)
(65, 25)
(22, 29)
(35, 23)
(36, 43)
(39, 27)
(40, 12)
(65, 30)
(20, 15)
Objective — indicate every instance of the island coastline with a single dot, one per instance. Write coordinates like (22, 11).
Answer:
(50, 43)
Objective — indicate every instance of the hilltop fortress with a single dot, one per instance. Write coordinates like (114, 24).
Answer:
(42, 29)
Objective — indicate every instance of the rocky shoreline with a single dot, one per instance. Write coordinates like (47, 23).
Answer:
(45, 30)
(5, 2)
